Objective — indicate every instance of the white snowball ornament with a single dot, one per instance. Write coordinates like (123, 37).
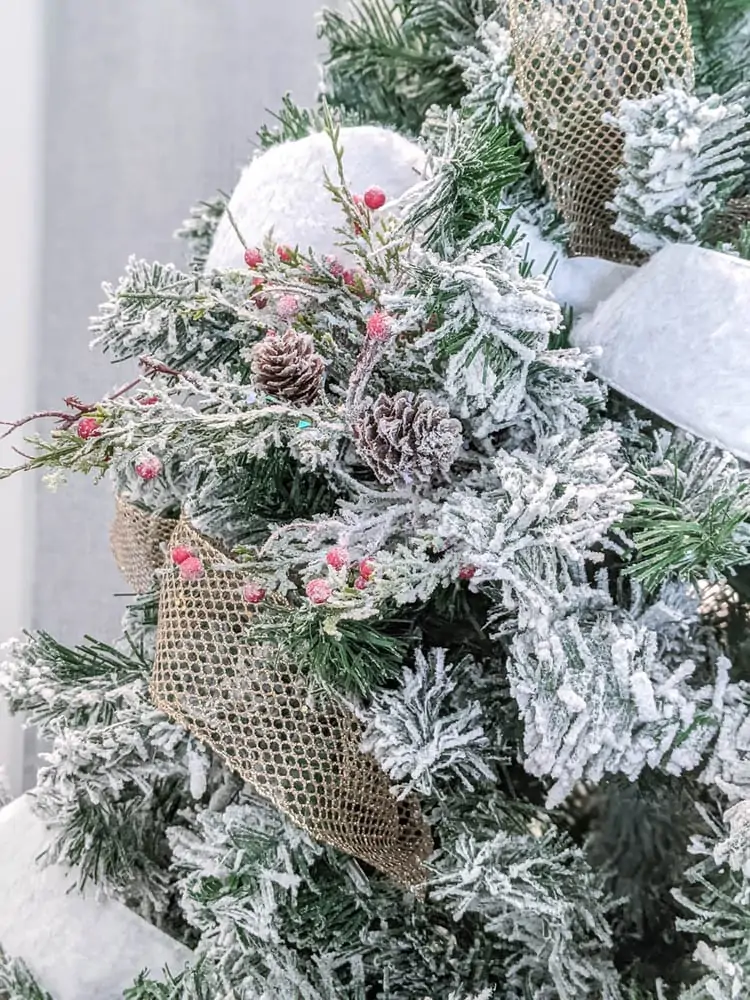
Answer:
(675, 337)
(282, 191)
(76, 946)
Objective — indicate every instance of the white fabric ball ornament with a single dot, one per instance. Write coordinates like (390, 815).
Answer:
(77, 945)
(283, 191)
(675, 338)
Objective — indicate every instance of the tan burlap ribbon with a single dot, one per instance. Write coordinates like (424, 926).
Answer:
(138, 542)
(294, 743)
(575, 60)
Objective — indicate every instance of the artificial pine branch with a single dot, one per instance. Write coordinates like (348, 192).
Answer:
(384, 64)
(196, 983)
(692, 521)
(684, 158)
(293, 122)
(344, 654)
(17, 981)
(715, 26)
(369, 240)
(462, 197)
(199, 229)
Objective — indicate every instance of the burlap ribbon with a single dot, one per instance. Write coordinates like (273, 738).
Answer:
(575, 60)
(138, 542)
(295, 744)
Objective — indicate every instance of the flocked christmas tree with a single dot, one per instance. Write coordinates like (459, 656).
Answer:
(434, 681)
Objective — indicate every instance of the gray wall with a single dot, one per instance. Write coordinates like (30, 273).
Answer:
(21, 101)
(150, 106)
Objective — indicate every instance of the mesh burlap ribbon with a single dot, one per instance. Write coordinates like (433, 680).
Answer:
(138, 539)
(575, 60)
(295, 744)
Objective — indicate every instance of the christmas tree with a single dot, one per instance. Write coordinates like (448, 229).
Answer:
(433, 684)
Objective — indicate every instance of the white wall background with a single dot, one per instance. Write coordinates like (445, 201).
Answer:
(115, 119)
(20, 183)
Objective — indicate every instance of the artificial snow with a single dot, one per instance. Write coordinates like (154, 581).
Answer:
(675, 338)
(282, 191)
(75, 945)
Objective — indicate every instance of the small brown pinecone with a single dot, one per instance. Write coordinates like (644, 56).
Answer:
(288, 366)
(407, 437)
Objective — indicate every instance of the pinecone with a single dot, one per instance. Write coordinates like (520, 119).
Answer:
(407, 437)
(287, 366)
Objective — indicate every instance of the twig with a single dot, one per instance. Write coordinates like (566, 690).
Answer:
(65, 419)
(152, 366)
(235, 227)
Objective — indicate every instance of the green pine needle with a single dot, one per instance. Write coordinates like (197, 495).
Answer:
(350, 656)
(294, 122)
(693, 520)
(193, 984)
(17, 982)
(670, 544)
(713, 26)
(255, 494)
(391, 60)
(476, 166)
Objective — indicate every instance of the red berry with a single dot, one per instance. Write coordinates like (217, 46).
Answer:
(148, 400)
(253, 257)
(379, 326)
(360, 583)
(287, 307)
(337, 558)
(260, 300)
(366, 568)
(253, 593)
(149, 467)
(88, 427)
(466, 572)
(319, 591)
(349, 277)
(284, 254)
(180, 553)
(191, 569)
(374, 198)
(335, 266)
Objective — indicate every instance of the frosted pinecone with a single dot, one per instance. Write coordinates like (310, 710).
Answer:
(408, 437)
(288, 366)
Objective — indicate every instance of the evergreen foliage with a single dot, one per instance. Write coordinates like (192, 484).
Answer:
(716, 896)
(684, 159)
(393, 59)
(118, 773)
(194, 984)
(199, 228)
(691, 521)
(17, 982)
(720, 33)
